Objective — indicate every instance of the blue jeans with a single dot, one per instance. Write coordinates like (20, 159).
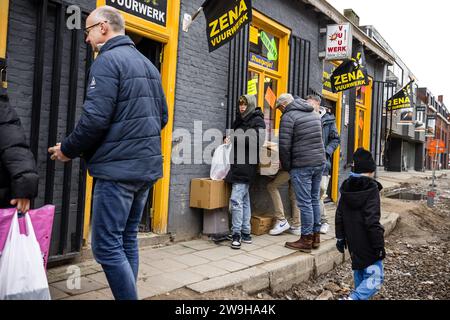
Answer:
(306, 182)
(240, 208)
(368, 281)
(117, 212)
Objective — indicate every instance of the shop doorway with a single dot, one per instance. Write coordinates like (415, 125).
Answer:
(331, 106)
(153, 51)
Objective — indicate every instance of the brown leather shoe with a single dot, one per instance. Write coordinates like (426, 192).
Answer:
(316, 241)
(303, 245)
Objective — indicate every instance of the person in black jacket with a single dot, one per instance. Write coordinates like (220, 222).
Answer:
(358, 226)
(248, 136)
(18, 175)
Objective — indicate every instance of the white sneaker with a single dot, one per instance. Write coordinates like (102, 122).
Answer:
(279, 228)
(295, 231)
(324, 228)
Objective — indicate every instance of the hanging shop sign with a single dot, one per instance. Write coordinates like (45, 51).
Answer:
(431, 126)
(350, 74)
(262, 61)
(339, 42)
(224, 19)
(402, 100)
(151, 10)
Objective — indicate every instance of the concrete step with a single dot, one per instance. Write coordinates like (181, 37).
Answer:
(280, 275)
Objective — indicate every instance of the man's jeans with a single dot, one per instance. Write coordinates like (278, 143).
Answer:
(240, 208)
(306, 182)
(323, 194)
(117, 212)
(368, 281)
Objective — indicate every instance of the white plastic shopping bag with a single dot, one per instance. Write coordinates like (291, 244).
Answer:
(22, 274)
(220, 164)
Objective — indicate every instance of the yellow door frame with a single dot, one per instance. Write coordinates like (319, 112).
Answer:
(335, 97)
(366, 106)
(168, 36)
(4, 11)
(281, 75)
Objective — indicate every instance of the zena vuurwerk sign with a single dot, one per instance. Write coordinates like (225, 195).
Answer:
(339, 42)
(224, 19)
(351, 73)
(151, 10)
(402, 99)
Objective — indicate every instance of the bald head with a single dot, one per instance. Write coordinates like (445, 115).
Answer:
(103, 24)
(113, 16)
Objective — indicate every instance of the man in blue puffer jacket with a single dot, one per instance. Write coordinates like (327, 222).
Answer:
(119, 134)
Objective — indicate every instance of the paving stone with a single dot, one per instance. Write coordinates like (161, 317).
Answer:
(280, 249)
(191, 260)
(156, 285)
(208, 271)
(94, 295)
(167, 265)
(178, 250)
(246, 259)
(251, 280)
(229, 265)
(199, 244)
(57, 294)
(267, 255)
(326, 257)
(86, 285)
(262, 242)
(217, 254)
(249, 247)
(146, 271)
(99, 277)
(185, 277)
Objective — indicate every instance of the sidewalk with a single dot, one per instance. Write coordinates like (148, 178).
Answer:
(391, 180)
(204, 266)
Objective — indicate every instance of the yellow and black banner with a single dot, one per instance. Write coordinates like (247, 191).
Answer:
(402, 99)
(350, 74)
(224, 19)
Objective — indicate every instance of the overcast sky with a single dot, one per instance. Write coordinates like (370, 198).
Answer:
(418, 31)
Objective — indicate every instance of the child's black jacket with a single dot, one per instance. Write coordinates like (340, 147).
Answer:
(358, 220)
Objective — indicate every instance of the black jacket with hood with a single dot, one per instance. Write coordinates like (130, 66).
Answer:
(18, 174)
(251, 129)
(358, 220)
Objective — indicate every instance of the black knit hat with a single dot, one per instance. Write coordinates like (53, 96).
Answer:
(363, 162)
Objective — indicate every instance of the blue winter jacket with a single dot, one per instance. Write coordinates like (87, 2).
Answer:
(119, 132)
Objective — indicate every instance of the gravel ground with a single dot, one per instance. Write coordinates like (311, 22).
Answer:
(418, 255)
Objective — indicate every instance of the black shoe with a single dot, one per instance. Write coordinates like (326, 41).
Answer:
(246, 238)
(236, 243)
(230, 237)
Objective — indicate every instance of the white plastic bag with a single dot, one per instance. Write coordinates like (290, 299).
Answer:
(220, 164)
(22, 274)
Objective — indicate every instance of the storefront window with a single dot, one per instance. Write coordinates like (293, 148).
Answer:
(264, 48)
(270, 89)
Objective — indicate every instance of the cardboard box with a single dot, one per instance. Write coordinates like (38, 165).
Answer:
(209, 194)
(269, 159)
(261, 224)
(216, 222)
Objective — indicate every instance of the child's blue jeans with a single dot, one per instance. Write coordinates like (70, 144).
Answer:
(368, 281)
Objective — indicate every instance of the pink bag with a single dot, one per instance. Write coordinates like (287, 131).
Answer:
(42, 221)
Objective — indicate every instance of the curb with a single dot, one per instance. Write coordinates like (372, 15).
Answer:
(283, 274)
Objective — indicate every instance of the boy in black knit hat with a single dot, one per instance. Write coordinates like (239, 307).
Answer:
(358, 226)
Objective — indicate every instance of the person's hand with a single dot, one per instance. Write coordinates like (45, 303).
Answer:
(341, 245)
(56, 153)
(22, 205)
(227, 140)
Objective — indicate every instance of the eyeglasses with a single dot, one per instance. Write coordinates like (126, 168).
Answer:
(88, 29)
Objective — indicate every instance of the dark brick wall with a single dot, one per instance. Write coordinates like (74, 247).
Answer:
(21, 66)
